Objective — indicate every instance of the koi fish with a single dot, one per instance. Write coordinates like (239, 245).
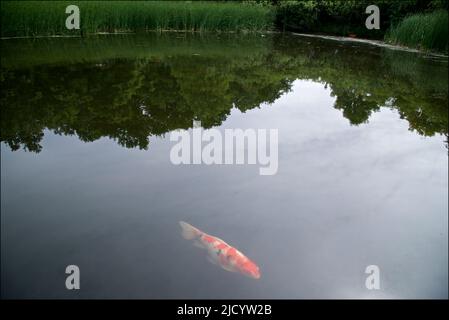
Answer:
(219, 252)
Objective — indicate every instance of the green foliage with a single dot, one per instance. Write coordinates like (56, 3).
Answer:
(427, 31)
(347, 17)
(438, 4)
(297, 15)
(31, 18)
(326, 16)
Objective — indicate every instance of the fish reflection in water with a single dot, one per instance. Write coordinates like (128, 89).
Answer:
(220, 253)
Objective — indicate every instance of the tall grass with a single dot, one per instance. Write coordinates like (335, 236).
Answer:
(426, 31)
(32, 18)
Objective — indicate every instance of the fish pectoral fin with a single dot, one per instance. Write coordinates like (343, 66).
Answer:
(230, 269)
(211, 260)
(198, 244)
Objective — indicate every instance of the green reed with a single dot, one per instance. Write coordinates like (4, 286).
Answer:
(425, 31)
(34, 18)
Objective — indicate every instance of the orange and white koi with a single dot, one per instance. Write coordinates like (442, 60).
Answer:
(220, 253)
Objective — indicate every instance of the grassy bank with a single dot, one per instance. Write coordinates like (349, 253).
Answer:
(31, 18)
(425, 31)
(419, 24)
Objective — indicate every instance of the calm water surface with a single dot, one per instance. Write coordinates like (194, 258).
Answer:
(86, 177)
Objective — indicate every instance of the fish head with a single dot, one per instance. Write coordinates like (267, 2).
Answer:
(250, 269)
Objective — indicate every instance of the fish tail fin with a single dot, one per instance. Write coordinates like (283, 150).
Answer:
(189, 232)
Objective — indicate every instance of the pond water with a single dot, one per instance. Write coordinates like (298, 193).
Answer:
(86, 176)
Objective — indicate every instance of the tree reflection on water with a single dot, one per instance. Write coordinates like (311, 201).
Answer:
(132, 87)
